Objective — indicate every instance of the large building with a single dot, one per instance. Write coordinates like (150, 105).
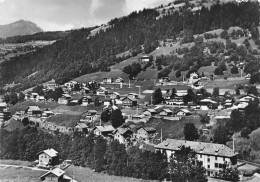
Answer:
(213, 156)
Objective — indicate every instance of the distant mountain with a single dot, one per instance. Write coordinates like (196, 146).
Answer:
(20, 27)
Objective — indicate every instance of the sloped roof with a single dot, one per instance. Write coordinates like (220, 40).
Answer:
(130, 98)
(185, 110)
(151, 110)
(208, 100)
(105, 128)
(122, 131)
(33, 108)
(198, 147)
(66, 95)
(3, 104)
(49, 152)
(149, 129)
(167, 110)
(57, 172)
(82, 125)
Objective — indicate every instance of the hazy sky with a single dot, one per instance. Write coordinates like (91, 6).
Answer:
(69, 14)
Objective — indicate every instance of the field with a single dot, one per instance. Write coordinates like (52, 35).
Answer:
(227, 84)
(173, 129)
(24, 105)
(85, 174)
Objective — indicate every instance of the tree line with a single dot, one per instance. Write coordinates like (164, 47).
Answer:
(100, 155)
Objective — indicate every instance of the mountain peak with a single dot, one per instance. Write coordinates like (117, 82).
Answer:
(20, 27)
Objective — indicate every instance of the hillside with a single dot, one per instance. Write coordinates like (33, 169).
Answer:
(20, 27)
(79, 54)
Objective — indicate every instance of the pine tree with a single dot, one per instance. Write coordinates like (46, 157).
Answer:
(157, 96)
(117, 118)
(190, 132)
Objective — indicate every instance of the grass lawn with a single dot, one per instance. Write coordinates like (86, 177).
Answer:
(20, 174)
(12, 125)
(64, 119)
(86, 174)
(25, 104)
(173, 129)
(70, 110)
(227, 84)
(252, 143)
(15, 162)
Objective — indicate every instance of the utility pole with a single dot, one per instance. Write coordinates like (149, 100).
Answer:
(151, 99)
(233, 143)
(161, 135)
(129, 84)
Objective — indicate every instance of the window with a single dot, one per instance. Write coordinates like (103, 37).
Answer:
(216, 158)
(223, 158)
(220, 165)
(208, 166)
(200, 155)
(208, 159)
(216, 165)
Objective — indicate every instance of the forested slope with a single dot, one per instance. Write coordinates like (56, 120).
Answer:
(78, 53)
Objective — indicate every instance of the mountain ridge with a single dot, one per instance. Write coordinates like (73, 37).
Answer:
(20, 27)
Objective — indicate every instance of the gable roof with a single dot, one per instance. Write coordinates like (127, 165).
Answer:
(184, 110)
(122, 131)
(49, 152)
(148, 129)
(106, 128)
(198, 147)
(208, 100)
(57, 172)
(82, 125)
(130, 98)
(3, 104)
(151, 110)
(33, 108)
(166, 110)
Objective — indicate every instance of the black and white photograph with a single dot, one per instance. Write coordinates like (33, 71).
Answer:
(129, 90)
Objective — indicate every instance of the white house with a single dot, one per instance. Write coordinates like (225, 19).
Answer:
(48, 158)
(213, 156)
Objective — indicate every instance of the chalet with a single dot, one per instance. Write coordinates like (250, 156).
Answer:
(133, 95)
(85, 89)
(34, 96)
(213, 156)
(75, 100)
(119, 80)
(81, 127)
(104, 131)
(86, 100)
(145, 133)
(246, 98)
(150, 112)
(5, 115)
(208, 104)
(115, 95)
(165, 112)
(228, 103)
(89, 116)
(54, 175)
(137, 118)
(33, 111)
(107, 80)
(47, 114)
(71, 84)
(183, 112)
(48, 158)
(123, 135)
(3, 106)
(174, 101)
(145, 59)
(41, 98)
(64, 99)
(107, 102)
(164, 79)
(50, 85)
(102, 91)
(129, 101)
